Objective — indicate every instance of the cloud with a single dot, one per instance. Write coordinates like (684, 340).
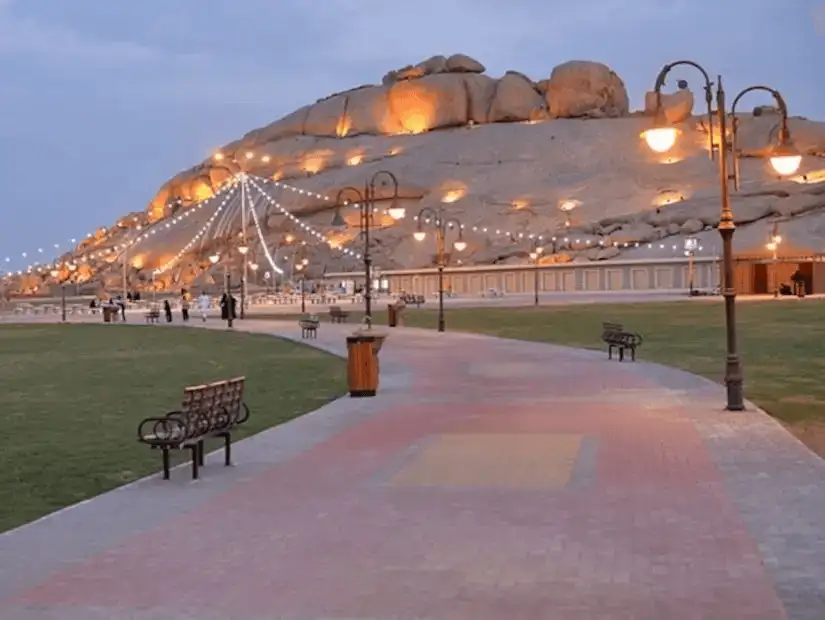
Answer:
(26, 36)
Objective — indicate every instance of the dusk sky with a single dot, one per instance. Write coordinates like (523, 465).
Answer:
(104, 100)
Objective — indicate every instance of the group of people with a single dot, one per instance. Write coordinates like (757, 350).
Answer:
(228, 304)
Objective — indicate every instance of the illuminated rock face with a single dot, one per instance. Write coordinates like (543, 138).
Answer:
(500, 154)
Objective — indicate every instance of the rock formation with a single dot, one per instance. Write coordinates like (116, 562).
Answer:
(508, 154)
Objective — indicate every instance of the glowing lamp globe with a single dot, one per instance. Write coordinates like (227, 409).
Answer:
(397, 213)
(786, 165)
(460, 245)
(243, 249)
(533, 255)
(214, 258)
(419, 235)
(661, 139)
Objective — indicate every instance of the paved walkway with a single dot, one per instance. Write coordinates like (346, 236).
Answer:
(489, 479)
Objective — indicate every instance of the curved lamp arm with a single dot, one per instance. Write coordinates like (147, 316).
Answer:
(389, 175)
(784, 148)
(341, 200)
(394, 211)
(660, 82)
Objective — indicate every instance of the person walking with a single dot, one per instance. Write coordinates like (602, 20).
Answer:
(167, 310)
(184, 308)
(203, 305)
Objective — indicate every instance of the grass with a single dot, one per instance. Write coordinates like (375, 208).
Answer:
(782, 342)
(71, 397)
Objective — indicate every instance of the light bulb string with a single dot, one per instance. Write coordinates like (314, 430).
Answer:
(257, 224)
(488, 231)
(198, 235)
(120, 247)
(290, 216)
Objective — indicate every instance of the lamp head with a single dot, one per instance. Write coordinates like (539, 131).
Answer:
(539, 250)
(54, 273)
(460, 245)
(395, 211)
(214, 258)
(660, 139)
(785, 159)
(534, 255)
(243, 249)
(419, 235)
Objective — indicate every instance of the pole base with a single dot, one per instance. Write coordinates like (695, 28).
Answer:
(362, 393)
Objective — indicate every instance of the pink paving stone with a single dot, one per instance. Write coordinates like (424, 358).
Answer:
(327, 534)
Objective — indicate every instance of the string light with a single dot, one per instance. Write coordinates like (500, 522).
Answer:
(204, 229)
(257, 224)
(304, 226)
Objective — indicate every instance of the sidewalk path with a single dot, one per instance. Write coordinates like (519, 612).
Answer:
(490, 479)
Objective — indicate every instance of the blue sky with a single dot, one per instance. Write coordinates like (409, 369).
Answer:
(104, 100)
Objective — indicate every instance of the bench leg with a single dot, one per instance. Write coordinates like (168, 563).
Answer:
(201, 454)
(195, 462)
(632, 354)
(165, 463)
(227, 450)
(621, 354)
(610, 351)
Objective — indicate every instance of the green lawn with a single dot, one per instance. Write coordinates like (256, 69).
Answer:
(782, 342)
(71, 397)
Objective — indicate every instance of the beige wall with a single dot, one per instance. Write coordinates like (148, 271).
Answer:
(670, 274)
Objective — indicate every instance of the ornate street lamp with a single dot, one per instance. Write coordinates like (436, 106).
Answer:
(662, 136)
(773, 246)
(365, 201)
(215, 259)
(691, 245)
(435, 217)
(535, 256)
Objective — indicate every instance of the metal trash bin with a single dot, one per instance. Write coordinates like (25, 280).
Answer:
(107, 314)
(392, 315)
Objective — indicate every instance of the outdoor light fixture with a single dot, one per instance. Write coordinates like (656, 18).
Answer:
(435, 217)
(661, 139)
(214, 259)
(784, 159)
(243, 249)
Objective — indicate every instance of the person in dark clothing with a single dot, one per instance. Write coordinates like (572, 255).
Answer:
(233, 306)
(122, 305)
(167, 310)
(184, 308)
(224, 304)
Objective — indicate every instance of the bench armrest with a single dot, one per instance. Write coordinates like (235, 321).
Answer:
(160, 430)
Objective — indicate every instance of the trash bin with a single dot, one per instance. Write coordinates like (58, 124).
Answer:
(392, 315)
(800, 289)
(107, 314)
(362, 364)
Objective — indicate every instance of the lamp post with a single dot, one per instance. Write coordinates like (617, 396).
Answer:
(773, 246)
(215, 259)
(301, 267)
(535, 256)
(441, 225)
(55, 274)
(365, 201)
(691, 245)
(661, 138)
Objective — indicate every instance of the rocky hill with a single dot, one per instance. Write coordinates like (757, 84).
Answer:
(557, 157)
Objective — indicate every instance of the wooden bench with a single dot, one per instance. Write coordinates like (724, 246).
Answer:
(208, 411)
(615, 337)
(337, 315)
(309, 327)
(410, 300)
(153, 315)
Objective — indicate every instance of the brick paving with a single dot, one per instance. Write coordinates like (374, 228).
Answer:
(489, 479)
